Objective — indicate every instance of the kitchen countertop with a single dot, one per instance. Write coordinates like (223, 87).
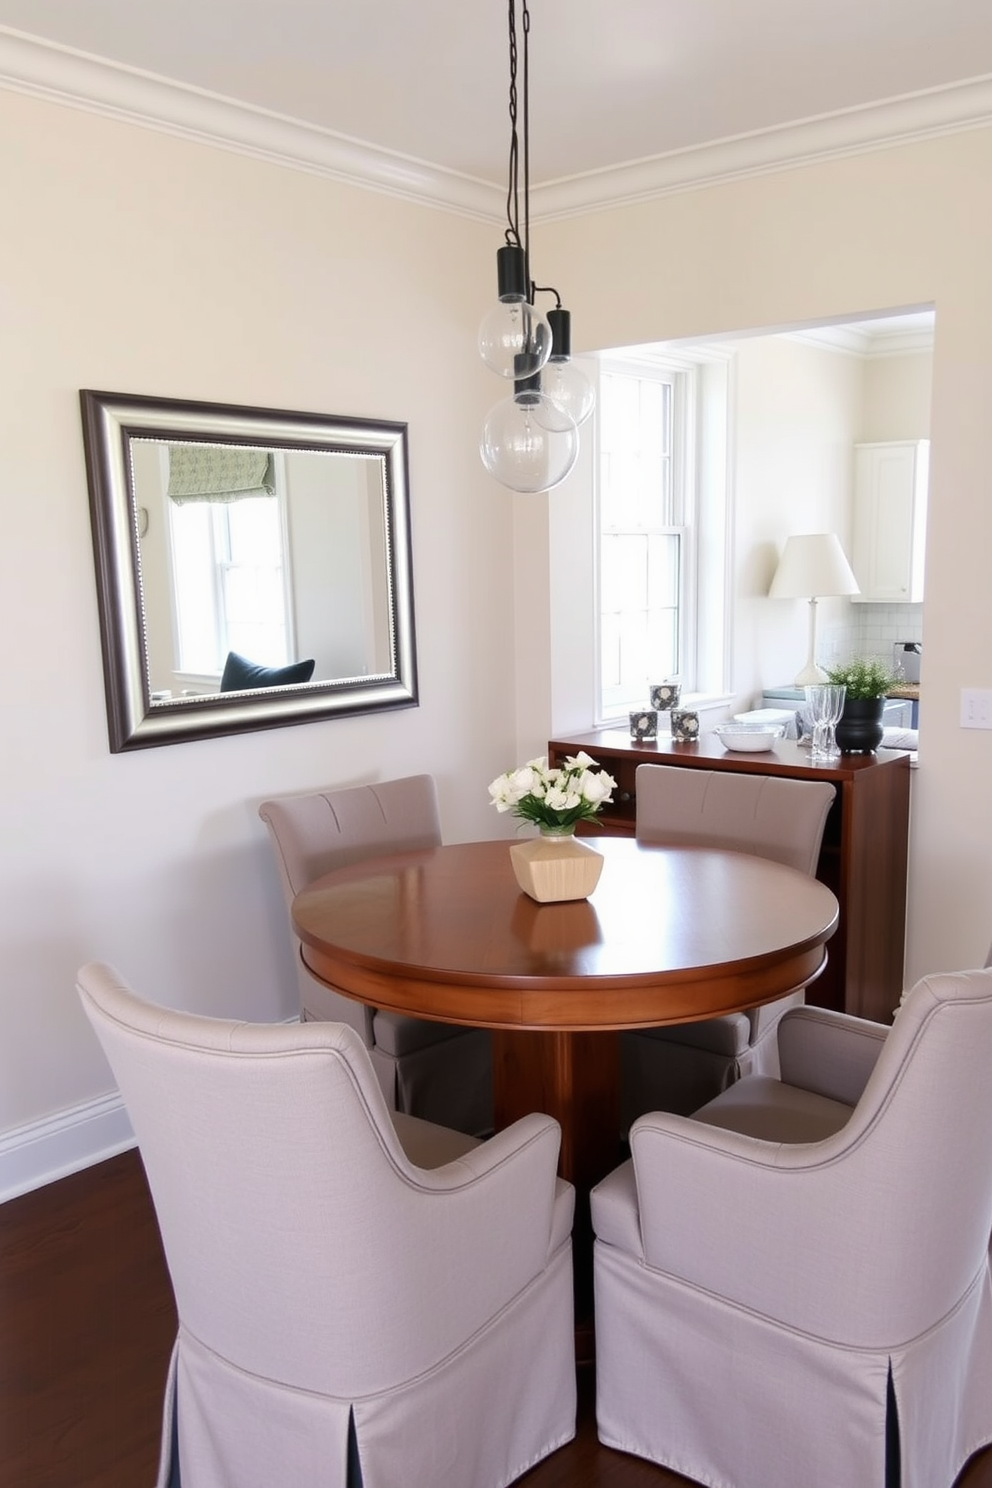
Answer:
(908, 691)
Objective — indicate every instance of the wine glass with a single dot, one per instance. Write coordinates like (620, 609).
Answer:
(825, 703)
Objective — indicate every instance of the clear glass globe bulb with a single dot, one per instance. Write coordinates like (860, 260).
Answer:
(569, 388)
(514, 339)
(528, 443)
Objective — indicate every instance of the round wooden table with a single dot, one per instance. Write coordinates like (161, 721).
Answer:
(670, 935)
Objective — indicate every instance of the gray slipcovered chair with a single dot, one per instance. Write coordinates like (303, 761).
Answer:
(363, 1298)
(793, 1285)
(434, 1070)
(678, 1068)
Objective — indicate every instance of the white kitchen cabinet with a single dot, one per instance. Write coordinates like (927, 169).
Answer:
(890, 514)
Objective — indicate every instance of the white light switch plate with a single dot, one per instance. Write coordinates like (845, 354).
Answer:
(976, 707)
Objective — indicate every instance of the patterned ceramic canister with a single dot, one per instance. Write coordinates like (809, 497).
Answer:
(665, 695)
(644, 724)
(685, 725)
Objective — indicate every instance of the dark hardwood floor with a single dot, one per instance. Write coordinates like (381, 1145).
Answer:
(86, 1325)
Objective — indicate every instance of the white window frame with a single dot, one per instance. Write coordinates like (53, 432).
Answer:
(681, 376)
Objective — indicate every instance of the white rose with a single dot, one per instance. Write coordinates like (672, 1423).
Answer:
(562, 800)
(582, 760)
(596, 788)
(526, 782)
(501, 794)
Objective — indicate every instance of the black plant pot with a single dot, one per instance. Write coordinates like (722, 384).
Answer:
(859, 729)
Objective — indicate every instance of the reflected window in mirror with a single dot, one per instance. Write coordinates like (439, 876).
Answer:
(212, 561)
(228, 585)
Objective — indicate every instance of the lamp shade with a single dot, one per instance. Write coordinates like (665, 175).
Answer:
(813, 565)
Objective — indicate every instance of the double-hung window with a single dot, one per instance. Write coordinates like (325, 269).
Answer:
(228, 576)
(227, 539)
(646, 547)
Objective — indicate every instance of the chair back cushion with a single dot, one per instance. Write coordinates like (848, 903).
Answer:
(322, 830)
(315, 832)
(768, 815)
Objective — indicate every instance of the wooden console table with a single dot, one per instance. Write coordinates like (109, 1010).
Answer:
(863, 858)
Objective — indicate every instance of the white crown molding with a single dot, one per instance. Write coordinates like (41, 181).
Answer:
(80, 80)
(40, 1152)
(671, 356)
(867, 344)
(884, 125)
(904, 343)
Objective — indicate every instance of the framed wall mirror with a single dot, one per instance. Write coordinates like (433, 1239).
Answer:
(253, 567)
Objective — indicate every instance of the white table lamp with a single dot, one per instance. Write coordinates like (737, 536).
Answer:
(813, 566)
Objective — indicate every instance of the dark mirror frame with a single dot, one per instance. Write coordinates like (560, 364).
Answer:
(110, 422)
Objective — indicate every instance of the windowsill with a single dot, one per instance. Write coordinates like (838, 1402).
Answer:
(699, 702)
(708, 702)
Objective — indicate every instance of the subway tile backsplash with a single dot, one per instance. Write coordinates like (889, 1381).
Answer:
(870, 630)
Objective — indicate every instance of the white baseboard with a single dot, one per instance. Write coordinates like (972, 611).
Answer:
(42, 1151)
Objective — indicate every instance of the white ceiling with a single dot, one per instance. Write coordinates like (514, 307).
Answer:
(612, 81)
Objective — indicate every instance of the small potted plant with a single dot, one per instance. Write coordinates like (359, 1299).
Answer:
(868, 682)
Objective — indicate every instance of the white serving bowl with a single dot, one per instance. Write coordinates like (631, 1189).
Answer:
(748, 737)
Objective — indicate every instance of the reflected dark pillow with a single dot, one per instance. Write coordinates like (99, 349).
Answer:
(241, 675)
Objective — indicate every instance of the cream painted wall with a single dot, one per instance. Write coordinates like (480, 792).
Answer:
(137, 262)
(897, 397)
(797, 416)
(900, 227)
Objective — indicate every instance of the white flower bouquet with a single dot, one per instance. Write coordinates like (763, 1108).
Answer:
(554, 800)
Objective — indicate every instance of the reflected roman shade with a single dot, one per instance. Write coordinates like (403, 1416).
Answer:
(219, 472)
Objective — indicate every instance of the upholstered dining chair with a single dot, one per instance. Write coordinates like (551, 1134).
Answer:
(838, 1328)
(363, 1298)
(678, 1068)
(433, 1070)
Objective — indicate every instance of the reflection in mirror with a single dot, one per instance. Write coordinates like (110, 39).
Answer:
(290, 571)
(253, 567)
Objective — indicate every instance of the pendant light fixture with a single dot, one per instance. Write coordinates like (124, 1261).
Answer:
(564, 383)
(530, 440)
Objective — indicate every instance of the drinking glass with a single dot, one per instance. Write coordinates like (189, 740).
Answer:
(825, 704)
